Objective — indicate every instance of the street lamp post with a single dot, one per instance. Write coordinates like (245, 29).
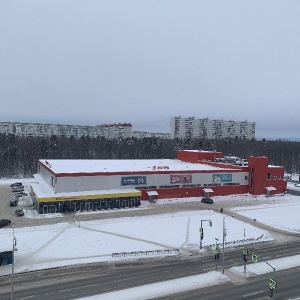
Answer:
(13, 262)
(273, 281)
(79, 219)
(224, 234)
(201, 230)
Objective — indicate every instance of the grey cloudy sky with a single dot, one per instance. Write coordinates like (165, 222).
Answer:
(143, 61)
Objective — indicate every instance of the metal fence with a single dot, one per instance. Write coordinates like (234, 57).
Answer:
(147, 253)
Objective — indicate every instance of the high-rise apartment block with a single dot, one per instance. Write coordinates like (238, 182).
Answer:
(191, 127)
(110, 131)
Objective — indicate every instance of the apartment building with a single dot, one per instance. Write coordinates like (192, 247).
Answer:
(191, 127)
(110, 131)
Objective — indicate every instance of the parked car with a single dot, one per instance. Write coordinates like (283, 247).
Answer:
(18, 189)
(16, 184)
(207, 200)
(4, 222)
(13, 202)
(19, 212)
(21, 194)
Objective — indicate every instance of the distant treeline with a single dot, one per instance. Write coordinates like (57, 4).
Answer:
(19, 155)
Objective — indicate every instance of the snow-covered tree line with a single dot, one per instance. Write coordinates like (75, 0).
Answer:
(19, 155)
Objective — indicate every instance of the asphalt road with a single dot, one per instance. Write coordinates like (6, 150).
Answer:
(73, 282)
(255, 288)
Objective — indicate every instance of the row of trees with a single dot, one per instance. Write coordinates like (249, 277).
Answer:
(19, 155)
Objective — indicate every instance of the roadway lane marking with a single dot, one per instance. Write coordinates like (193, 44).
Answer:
(252, 294)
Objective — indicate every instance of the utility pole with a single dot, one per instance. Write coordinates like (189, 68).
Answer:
(272, 283)
(224, 233)
(13, 262)
(79, 218)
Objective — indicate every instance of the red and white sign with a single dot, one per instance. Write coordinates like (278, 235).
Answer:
(180, 178)
(160, 168)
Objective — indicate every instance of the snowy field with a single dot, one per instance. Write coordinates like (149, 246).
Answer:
(95, 241)
(268, 214)
(77, 242)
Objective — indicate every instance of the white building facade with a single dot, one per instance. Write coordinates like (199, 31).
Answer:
(191, 127)
(110, 131)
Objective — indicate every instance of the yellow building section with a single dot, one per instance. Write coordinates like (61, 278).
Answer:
(89, 197)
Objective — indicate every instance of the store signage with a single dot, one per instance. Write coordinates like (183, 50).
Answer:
(67, 198)
(222, 177)
(154, 168)
(180, 178)
(133, 180)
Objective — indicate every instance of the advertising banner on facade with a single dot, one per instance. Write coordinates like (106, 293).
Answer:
(222, 177)
(133, 180)
(180, 179)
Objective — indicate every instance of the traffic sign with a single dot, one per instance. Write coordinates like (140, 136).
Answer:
(271, 292)
(245, 250)
(272, 283)
(254, 258)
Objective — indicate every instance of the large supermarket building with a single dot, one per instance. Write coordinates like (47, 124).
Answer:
(72, 185)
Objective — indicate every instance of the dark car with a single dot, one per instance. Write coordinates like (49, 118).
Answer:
(16, 184)
(21, 194)
(207, 200)
(18, 189)
(19, 212)
(13, 202)
(4, 222)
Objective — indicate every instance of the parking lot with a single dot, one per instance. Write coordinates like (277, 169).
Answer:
(31, 218)
(8, 212)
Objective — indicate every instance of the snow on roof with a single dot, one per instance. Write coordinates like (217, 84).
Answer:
(271, 188)
(200, 151)
(152, 193)
(124, 165)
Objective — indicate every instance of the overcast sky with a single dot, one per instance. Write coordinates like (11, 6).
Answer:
(91, 62)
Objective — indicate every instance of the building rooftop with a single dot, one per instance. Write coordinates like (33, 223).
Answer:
(88, 166)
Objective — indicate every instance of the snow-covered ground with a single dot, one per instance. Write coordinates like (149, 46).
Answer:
(50, 246)
(76, 241)
(57, 245)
